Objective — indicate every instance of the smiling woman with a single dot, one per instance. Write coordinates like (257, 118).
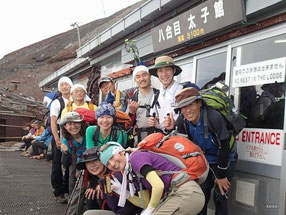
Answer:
(99, 187)
(73, 144)
(106, 129)
(184, 197)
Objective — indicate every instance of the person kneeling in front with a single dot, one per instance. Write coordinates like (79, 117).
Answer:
(185, 198)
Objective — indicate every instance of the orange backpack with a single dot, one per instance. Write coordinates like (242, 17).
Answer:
(123, 119)
(180, 151)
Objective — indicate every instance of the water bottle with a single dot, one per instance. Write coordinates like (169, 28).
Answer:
(222, 86)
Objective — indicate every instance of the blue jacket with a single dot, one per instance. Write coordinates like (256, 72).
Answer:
(79, 147)
(46, 137)
(209, 145)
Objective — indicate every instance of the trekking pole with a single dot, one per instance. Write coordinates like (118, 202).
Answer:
(154, 128)
(74, 189)
(131, 47)
(80, 201)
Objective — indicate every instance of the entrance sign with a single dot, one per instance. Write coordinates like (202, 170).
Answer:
(261, 145)
(264, 72)
(206, 18)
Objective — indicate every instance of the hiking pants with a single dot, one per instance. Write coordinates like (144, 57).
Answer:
(58, 180)
(92, 204)
(39, 145)
(188, 199)
(220, 201)
(27, 143)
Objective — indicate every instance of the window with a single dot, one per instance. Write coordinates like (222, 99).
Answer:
(187, 73)
(262, 104)
(211, 69)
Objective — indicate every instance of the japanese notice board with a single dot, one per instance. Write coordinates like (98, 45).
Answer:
(264, 72)
(206, 18)
(261, 145)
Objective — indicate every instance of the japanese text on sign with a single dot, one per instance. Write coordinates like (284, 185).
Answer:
(201, 20)
(265, 72)
(261, 145)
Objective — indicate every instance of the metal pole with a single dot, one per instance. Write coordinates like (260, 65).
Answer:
(75, 24)
(78, 35)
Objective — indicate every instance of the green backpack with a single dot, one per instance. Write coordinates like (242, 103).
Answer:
(215, 98)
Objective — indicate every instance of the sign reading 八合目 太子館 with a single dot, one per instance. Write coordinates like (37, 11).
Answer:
(264, 72)
(261, 145)
(206, 18)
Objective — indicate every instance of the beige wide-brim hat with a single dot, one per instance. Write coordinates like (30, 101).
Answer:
(71, 117)
(164, 61)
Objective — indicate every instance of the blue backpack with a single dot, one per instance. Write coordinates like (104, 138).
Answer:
(53, 96)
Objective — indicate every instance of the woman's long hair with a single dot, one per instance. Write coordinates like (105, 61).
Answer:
(68, 136)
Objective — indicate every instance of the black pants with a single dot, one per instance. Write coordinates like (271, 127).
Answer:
(59, 181)
(39, 147)
(93, 204)
(220, 201)
(28, 143)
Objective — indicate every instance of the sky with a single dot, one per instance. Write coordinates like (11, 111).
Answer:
(24, 22)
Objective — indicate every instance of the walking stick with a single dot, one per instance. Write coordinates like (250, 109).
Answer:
(73, 192)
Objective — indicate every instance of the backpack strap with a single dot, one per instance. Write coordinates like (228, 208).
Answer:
(70, 103)
(208, 127)
(115, 133)
(69, 106)
(155, 101)
(206, 124)
(148, 107)
(74, 156)
(95, 135)
(117, 99)
(134, 97)
(155, 90)
(90, 105)
(62, 105)
(139, 177)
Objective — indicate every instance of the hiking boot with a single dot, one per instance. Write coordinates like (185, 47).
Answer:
(61, 199)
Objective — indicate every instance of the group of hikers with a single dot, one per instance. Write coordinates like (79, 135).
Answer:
(120, 177)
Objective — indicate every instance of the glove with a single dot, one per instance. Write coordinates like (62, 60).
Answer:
(116, 187)
(110, 98)
(148, 211)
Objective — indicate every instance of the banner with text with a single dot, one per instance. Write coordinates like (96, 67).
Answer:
(199, 21)
(265, 72)
(261, 145)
